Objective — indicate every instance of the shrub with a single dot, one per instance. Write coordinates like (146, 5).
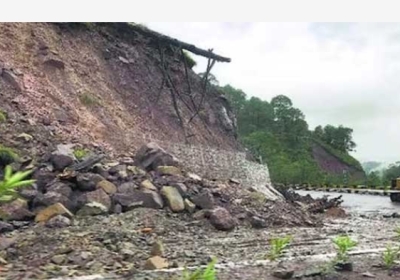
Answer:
(277, 246)
(12, 181)
(88, 99)
(207, 274)
(80, 153)
(343, 244)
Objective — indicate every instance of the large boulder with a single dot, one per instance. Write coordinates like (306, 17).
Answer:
(150, 156)
(139, 198)
(16, 210)
(221, 219)
(173, 198)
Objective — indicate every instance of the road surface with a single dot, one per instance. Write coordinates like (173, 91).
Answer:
(359, 203)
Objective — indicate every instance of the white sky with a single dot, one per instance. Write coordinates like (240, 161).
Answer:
(336, 73)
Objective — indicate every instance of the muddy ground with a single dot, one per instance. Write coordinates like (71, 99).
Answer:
(117, 247)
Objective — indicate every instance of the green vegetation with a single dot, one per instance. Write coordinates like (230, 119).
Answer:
(189, 60)
(3, 116)
(278, 132)
(89, 100)
(12, 181)
(207, 274)
(389, 256)
(343, 245)
(277, 246)
(80, 153)
(7, 155)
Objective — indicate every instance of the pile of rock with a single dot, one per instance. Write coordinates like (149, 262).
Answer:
(152, 179)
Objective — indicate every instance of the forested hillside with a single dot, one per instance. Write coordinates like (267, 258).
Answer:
(277, 132)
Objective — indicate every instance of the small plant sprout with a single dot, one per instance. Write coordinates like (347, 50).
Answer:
(343, 244)
(12, 181)
(389, 256)
(80, 153)
(278, 245)
(207, 274)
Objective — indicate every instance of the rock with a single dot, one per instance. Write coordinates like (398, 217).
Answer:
(194, 177)
(283, 273)
(61, 188)
(347, 266)
(5, 227)
(169, 170)
(202, 214)
(155, 262)
(51, 198)
(138, 198)
(88, 181)
(117, 169)
(189, 206)
(58, 221)
(6, 242)
(127, 188)
(136, 170)
(147, 185)
(56, 63)
(60, 162)
(12, 79)
(204, 200)
(99, 196)
(51, 211)
(92, 209)
(59, 259)
(117, 209)
(25, 137)
(336, 212)
(157, 249)
(150, 156)
(181, 187)
(15, 210)
(43, 178)
(368, 274)
(221, 219)
(28, 193)
(173, 198)
(235, 181)
(257, 222)
(107, 186)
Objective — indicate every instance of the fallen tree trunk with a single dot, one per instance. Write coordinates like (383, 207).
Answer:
(171, 41)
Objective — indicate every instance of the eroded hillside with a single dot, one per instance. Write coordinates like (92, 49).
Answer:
(102, 84)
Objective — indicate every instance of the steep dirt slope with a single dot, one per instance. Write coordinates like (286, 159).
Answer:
(100, 84)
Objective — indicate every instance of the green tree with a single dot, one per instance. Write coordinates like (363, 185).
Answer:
(373, 179)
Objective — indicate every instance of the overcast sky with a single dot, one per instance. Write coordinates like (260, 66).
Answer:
(336, 73)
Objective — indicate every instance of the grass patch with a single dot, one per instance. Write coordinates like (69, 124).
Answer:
(89, 100)
(3, 116)
(207, 274)
(80, 153)
(277, 246)
(12, 181)
(343, 245)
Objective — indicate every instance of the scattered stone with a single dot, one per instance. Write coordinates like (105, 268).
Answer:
(150, 156)
(181, 187)
(12, 79)
(92, 209)
(88, 181)
(157, 249)
(283, 273)
(155, 262)
(61, 188)
(258, 223)
(221, 219)
(15, 210)
(117, 209)
(235, 181)
(194, 177)
(127, 188)
(6, 242)
(56, 63)
(59, 259)
(117, 168)
(147, 185)
(51, 198)
(5, 227)
(368, 275)
(138, 198)
(347, 266)
(51, 211)
(107, 186)
(25, 137)
(204, 200)
(202, 214)
(60, 162)
(189, 206)
(99, 196)
(173, 198)
(58, 221)
(169, 170)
